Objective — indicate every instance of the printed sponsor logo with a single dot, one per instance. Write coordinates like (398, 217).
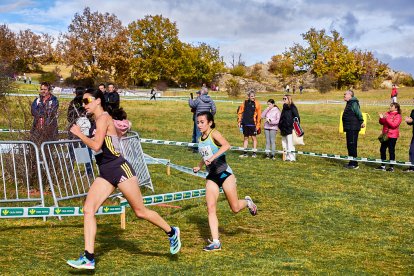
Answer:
(147, 200)
(64, 211)
(157, 199)
(39, 211)
(178, 196)
(168, 197)
(187, 195)
(8, 212)
(203, 192)
(112, 209)
(196, 193)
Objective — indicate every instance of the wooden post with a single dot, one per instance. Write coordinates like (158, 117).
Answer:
(168, 170)
(123, 215)
(123, 220)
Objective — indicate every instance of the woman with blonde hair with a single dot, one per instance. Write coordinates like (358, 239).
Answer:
(289, 112)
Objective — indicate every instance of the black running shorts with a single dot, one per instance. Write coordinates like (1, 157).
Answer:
(116, 171)
(249, 131)
(219, 178)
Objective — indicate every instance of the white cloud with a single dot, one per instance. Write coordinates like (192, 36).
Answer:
(14, 6)
(257, 29)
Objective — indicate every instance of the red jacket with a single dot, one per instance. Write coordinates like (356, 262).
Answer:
(391, 124)
(394, 92)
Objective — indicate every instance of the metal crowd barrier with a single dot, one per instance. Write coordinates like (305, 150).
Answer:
(71, 169)
(20, 178)
(132, 151)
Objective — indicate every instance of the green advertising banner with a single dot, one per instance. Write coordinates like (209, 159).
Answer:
(170, 197)
(30, 212)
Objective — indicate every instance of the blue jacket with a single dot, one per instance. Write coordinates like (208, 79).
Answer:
(203, 103)
(45, 116)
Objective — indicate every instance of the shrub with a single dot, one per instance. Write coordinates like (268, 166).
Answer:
(6, 83)
(325, 83)
(49, 77)
(238, 70)
(256, 73)
(406, 80)
(233, 87)
(161, 85)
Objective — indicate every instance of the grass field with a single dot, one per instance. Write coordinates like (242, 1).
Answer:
(314, 216)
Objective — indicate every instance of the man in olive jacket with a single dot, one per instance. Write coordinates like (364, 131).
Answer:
(353, 122)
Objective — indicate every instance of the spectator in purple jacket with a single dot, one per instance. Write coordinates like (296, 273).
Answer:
(271, 116)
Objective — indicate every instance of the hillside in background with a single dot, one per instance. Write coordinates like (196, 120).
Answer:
(259, 78)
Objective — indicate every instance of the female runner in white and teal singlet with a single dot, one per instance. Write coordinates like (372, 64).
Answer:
(212, 147)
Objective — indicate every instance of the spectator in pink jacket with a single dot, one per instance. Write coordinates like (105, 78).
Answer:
(272, 116)
(394, 94)
(390, 122)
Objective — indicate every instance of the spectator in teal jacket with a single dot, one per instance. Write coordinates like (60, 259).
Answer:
(353, 122)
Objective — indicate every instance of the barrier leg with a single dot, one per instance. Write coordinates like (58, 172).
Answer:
(123, 214)
(123, 220)
(168, 170)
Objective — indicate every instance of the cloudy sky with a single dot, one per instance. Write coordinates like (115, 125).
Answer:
(256, 29)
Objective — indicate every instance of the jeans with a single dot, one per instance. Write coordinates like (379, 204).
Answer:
(196, 134)
(194, 137)
(390, 144)
(352, 145)
(270, 140)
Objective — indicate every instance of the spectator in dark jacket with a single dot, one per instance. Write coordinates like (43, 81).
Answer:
(410, 120)
(202, 103)
(77, 113)
(45, 113)
(193, 110)
(75, 109)
(112, 97)
(289, 112)
(353, 122)
(249, 120)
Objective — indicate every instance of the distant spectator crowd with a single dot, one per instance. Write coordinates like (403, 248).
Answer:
(44, 110)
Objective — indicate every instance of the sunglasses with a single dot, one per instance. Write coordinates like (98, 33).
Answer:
(88, 100)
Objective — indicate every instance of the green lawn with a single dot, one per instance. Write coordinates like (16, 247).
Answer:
(314, 216)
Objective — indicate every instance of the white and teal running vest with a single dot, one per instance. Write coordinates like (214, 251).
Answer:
(207, 148)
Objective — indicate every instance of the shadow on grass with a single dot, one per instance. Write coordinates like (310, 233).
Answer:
(75, 271)
(110, 238)
(33, 227)
(204, 230)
